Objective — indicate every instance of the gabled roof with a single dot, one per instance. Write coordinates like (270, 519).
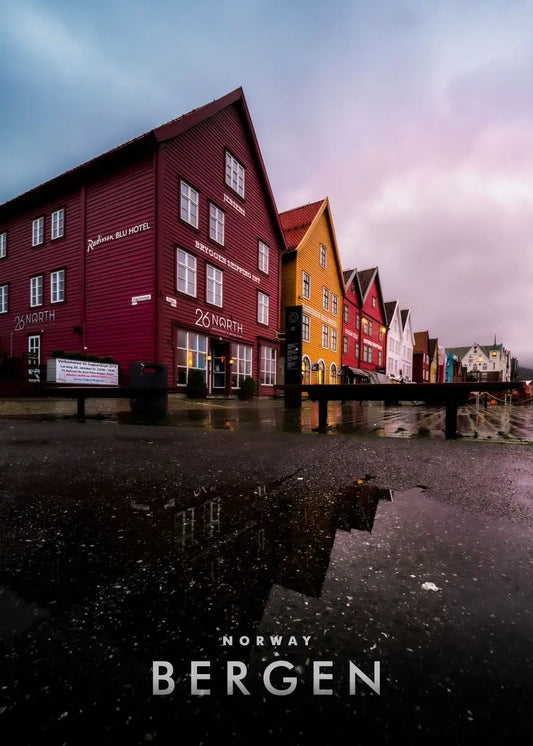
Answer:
(432, 345)
(352, 276)
(300, 221)
(421, 342)
(296, 222)
(366, 278)
(404, 315)
(144, 144)
(390, 308)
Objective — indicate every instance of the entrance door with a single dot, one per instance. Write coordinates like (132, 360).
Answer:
(34, 358)
(219, 353)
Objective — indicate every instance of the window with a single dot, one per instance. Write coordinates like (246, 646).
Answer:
(333, 373)
(268, 366)
(306, 285)
(191, 355)
(306, 327)
(357, 350)
(186, 272)
(334, 304)
(306, 370)
(216, 224)
(57, 286)
(242, 364)
(214, 285)
(370, 328)
(4, 297)
(357, 320)
(262, 307)
(334, 340)
(345, 345)
(189, 204)
(364, 325)
(346, 314)
(36, 291)
(367, 353)
(380, 359)
(234, 174)
(323, 255)
(381, 332)
(373, 301)
(58, 224)
(325, 299)
(3, 245)
(325, 336)
(262, 261)
(37, 234)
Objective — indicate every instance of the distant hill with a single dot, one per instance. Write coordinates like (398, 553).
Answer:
(525, 374)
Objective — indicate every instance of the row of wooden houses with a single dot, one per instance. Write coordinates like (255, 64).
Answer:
(170, 248)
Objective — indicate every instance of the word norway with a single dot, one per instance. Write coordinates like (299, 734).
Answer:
(274, 640)
(236, 671)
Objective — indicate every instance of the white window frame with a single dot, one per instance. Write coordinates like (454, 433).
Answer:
(191, 348)
(216, 223)
(345, 345)
(37, 231)
(267, 376)
(213, 285)
(189, 202)
(235, 174)
(36, 291)
(4, 298)
(346, 314)
(306, 284)
(57, 286)
(242, 364)
(325, 298)
(325, 336)
(367, 353)
(334, 303)
(186, 272)
(306, 327)
(58, 224)
(3, 245)
(263, 252)
(323, 255)
(333, 340)
(263, 303)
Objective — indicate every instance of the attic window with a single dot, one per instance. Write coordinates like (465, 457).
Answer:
(234, 174)
(373, 301)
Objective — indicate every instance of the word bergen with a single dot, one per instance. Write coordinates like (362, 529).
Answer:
(92, 243)
(236, 672)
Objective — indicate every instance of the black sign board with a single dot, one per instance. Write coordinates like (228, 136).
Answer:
(293, 352)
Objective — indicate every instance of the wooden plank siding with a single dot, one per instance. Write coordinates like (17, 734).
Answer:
(54, 322)
(320, 232)
(198, 157)
(121, 206)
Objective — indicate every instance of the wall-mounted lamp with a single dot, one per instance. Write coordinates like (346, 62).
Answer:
(231, 361)
(209, 357)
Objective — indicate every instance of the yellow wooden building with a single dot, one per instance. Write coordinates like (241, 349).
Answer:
(311, 276)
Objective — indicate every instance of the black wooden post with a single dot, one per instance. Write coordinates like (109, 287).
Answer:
(322, 415)
(451, 418)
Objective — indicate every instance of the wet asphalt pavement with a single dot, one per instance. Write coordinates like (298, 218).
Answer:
(128, 544)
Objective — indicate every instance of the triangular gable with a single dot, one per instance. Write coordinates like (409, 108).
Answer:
(391, 307)
(300, 222)
(352, 276)
(421, 342)
(366, 278)
(147, 141)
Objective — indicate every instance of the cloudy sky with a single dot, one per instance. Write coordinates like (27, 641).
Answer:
(415, 118)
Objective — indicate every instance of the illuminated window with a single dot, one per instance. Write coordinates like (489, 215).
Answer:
(191, 355)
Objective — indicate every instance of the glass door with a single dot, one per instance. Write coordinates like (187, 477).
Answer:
(218, 351)
(34, 358)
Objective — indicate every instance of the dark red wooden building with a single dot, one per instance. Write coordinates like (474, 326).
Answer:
(165, 249)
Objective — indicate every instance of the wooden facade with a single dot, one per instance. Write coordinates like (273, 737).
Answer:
(169, 251)
(312, 277)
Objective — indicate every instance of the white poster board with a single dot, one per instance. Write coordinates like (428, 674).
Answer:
(83, 372)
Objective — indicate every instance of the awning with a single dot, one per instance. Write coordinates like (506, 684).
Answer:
(357, 371)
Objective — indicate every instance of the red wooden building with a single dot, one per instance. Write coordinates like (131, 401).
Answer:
(421, 357)
(364, 324)
(165, 249)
